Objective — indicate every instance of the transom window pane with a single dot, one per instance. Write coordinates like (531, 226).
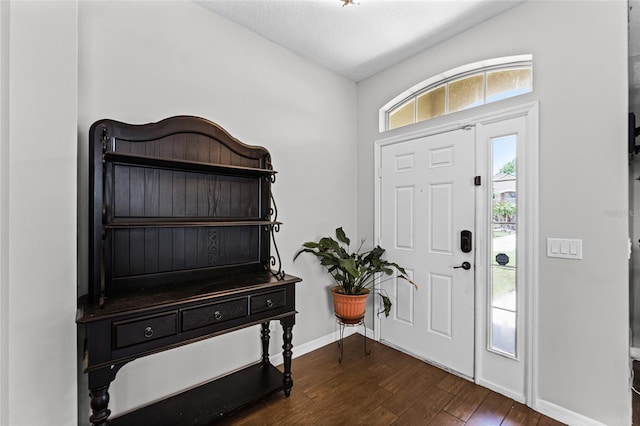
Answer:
(403, 115)
(432, 103)
(472, 86)
(466, 93)
(508, 83)
(504, 219)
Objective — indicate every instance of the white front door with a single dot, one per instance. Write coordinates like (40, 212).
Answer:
(427, 200)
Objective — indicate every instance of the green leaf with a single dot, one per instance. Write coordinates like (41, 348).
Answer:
(311, 244)
(398, 267)
(326, 242)
(386, 303)
(342, 237)
(302, 251)
(349, 265)
(327, 261)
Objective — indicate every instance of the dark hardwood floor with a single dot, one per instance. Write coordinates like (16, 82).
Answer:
(386, 387)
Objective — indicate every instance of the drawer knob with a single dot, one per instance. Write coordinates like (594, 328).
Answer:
(217, 315)
(148, 332)
(269, 303)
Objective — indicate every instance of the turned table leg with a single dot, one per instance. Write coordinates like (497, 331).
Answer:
(99, 381)
(264, 336)
(99, 404)
(287, 326)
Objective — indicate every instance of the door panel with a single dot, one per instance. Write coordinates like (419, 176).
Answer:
(404, 215)
(441, 312)
(440, 214)
(427, 199)
(404, 299)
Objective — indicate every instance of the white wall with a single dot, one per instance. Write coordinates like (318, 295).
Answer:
(580, 78)
(38, 235)
(143, 61)
(4, 212)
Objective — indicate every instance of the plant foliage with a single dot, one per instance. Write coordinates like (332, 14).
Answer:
(353, 272)
(509, 168)
(504, 211)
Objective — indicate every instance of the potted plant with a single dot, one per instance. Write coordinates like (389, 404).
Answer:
(353, 272)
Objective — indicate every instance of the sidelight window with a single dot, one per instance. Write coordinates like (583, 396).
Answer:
(503, 262)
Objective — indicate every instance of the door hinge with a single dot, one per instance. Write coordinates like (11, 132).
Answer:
(477, 181)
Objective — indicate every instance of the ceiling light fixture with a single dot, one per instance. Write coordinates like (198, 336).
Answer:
(346, 2)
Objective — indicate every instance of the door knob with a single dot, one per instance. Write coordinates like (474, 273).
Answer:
(465, 265)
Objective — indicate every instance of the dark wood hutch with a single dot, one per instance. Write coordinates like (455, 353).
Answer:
(181, 228)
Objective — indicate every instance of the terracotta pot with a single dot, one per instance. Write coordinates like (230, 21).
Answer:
(349, 307)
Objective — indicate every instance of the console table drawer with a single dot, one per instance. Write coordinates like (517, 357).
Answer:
(214, 313)
(267, 301)
(142, 330)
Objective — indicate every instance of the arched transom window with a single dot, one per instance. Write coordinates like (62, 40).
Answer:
(461, 88)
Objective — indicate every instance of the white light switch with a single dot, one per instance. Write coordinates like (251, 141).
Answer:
(564, 248)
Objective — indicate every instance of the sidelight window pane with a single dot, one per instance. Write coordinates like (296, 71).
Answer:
(503, 288)
(504, 156)
(504, 209)
(466, 93)
(504, 246)
(503, 331)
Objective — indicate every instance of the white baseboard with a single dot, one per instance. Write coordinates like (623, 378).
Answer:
(564, 415)
(369, 333)
(501, 390)
(305, 348)
(635, 353)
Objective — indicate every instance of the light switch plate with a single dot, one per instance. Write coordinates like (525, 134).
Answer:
(564, 248)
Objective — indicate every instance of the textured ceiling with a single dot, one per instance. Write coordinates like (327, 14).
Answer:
(361, 39)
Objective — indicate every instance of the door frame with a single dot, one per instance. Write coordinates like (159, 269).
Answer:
(528, 228)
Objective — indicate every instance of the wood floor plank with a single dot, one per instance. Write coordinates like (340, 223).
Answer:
(516, 417)
(377, 416)
(402, 377)
(548, 421)
(452, 384)
(466, 401)
(425, 409)
(445, 419)
(491, 411)
(408, 395)
(526, 410)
